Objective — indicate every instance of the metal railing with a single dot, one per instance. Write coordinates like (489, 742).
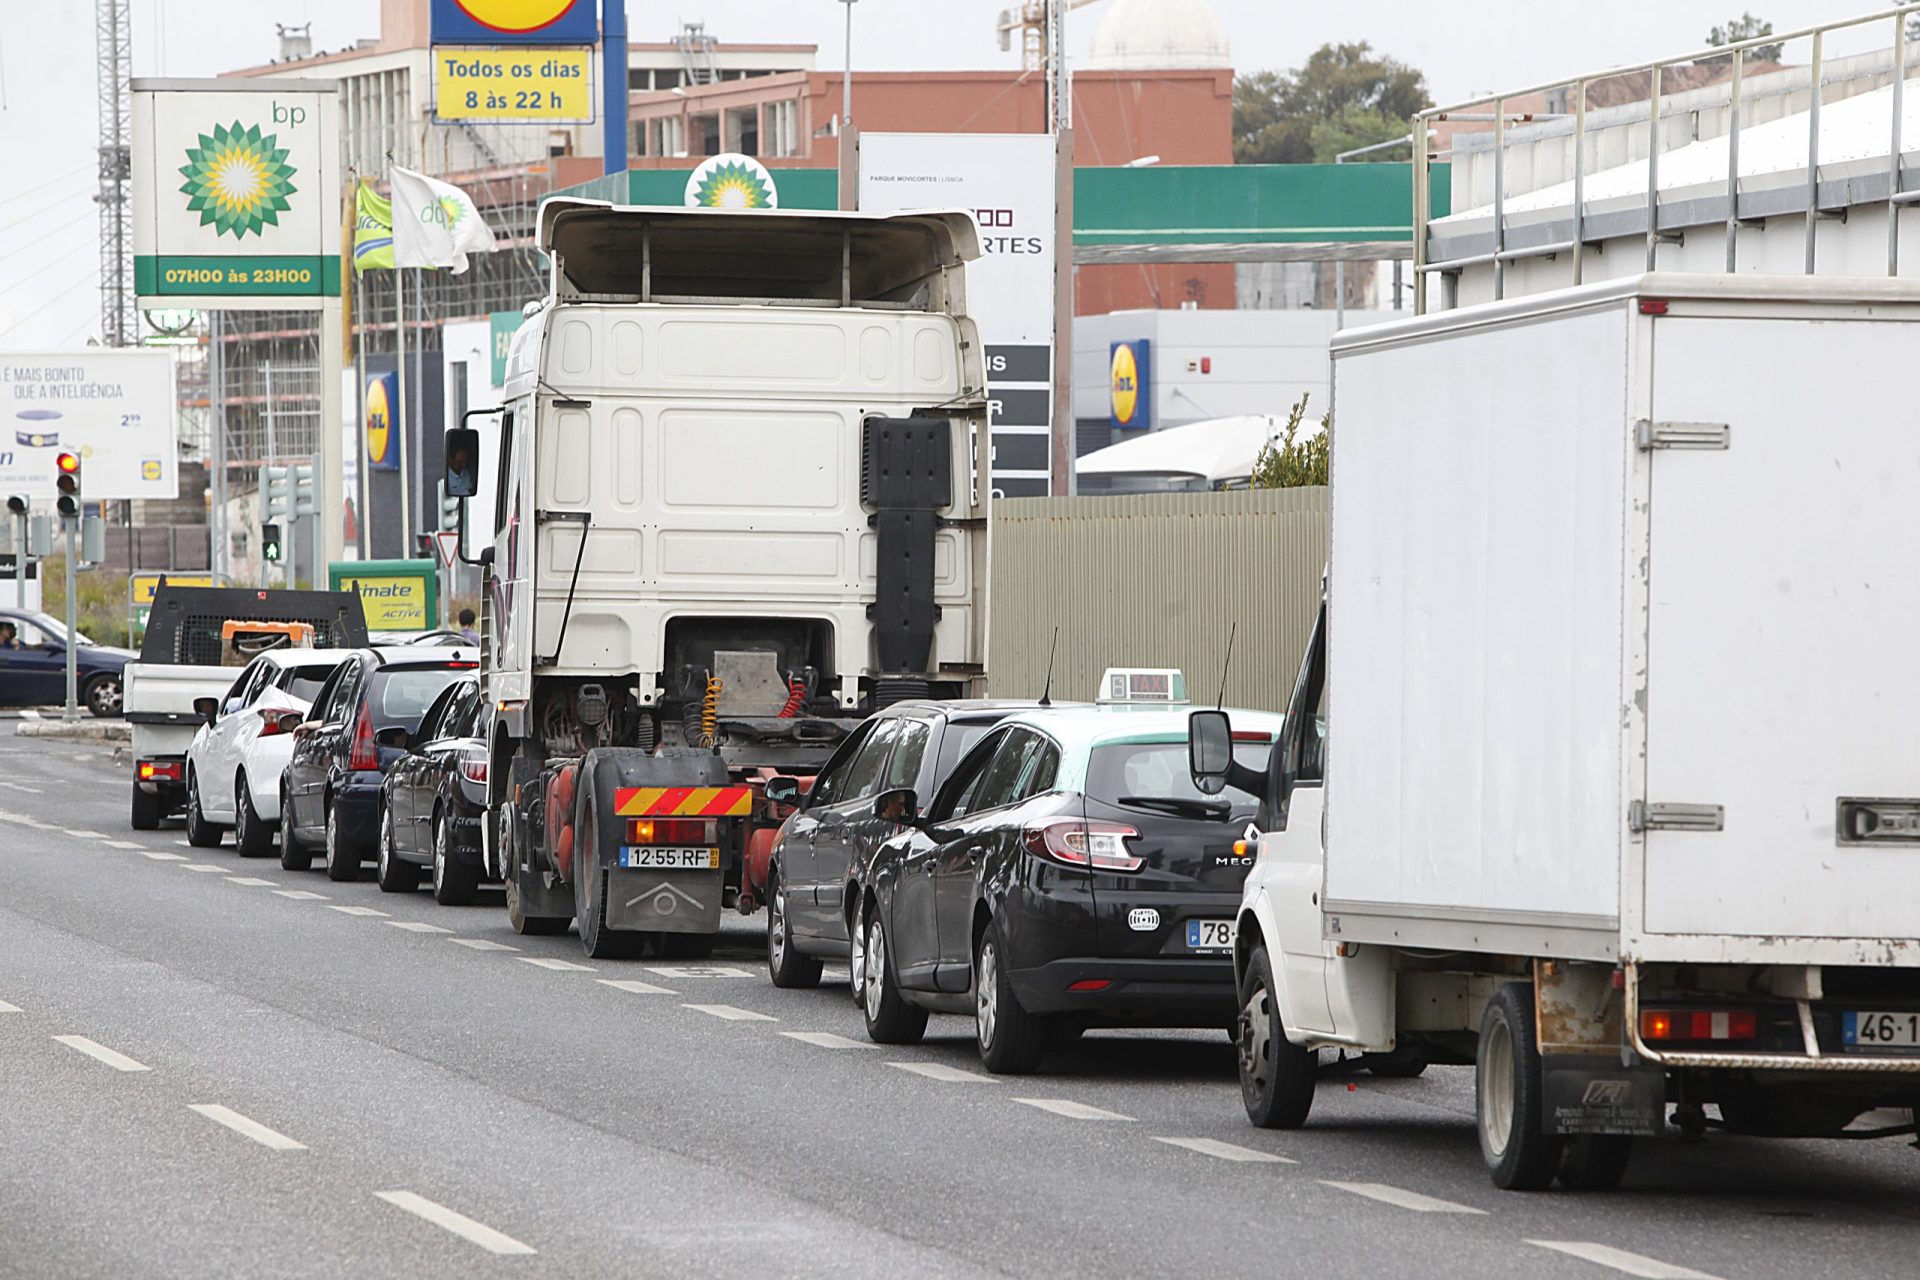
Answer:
(1575, 244)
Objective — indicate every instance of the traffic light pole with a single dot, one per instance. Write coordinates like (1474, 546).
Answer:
(20, 561)
(73, 622)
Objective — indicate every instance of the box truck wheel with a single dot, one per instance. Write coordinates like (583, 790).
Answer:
(507, 836)
(1519, 1153)
(148, 808)
(1276, 1075)
(1595, 1161)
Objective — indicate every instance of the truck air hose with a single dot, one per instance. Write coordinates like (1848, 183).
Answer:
(796, 698)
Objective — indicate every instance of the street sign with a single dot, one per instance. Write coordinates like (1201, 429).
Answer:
(513, 86)
(446, 547)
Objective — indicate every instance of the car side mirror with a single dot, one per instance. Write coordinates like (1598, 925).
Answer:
(291, 722)
(394, 736)
(782, 789)
(462, 462)
(207, 709)
(900, 806)
(1209, 750)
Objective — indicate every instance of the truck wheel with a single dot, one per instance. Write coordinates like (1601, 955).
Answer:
(455, 883)
(394, 873)
(590, 910)
(785, 965)
(1012, 1041)
(507, 850)
(343, 859)
(294, 856)
(1276, 1075)
(251, 834)
(1595, 1162)
(201, 834)
(148, 809)
(1519, 1152)
(890, 1019)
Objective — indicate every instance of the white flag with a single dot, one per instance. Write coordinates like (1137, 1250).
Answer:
(435, 224)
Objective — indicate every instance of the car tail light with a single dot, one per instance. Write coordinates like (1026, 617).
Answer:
(474, 769)
(1251, 735)
(1090, 984)
(1699, 1024)
(158, 770)
(1100, 846)
(669, 831)
(366, 752)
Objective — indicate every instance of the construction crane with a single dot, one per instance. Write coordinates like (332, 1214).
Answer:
(113, 62)
(1030, 20)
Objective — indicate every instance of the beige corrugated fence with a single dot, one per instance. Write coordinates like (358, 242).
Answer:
(1155, 580)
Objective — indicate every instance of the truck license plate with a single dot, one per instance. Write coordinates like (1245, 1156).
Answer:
(1880, 1030)
(1210, 935)
(634, 855)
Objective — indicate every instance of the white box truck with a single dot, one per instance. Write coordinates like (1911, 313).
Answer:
(1601, 771)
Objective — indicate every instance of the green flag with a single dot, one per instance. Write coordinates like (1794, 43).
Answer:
(372, 229)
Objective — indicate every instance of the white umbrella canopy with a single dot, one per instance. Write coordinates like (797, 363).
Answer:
(1216, 451)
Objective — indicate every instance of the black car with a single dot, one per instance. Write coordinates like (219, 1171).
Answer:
(1068, 874)
(33, 665)
(821, 847)
(359, 727)
(435, 799)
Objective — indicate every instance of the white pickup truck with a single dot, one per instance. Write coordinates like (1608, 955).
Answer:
(187, 654)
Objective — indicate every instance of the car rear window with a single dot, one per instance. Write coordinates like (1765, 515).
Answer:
(305, 682)
(403, 696)
(1159, 769)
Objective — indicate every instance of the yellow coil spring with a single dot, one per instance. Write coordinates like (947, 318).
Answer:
(710, 713)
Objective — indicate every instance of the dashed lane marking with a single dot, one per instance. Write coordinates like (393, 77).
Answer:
(637, 988)
(84, 835)
(248, 1128)
(943, 1073)
(100, 1053)
(548, 962)
(481, 944)
(730, 1014)
(8, 1008)
(827, 1040)
(417, 926)
(357, 911)
(184, 844)
(300, 895)
(21, 786)
(250, 881)
(1226, 1150)
(1404, 1199)
(200, 866)
(158, 856)
(699, 971)
(458, 1223)
(1073, 1110)
(123, 844)
(1632, 1264)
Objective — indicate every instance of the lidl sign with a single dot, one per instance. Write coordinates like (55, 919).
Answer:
(515, 22)
(396, 595)
(383, 422)
(1129, 397)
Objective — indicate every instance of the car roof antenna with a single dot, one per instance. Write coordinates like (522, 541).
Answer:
(1046, 694)
(1220, 703)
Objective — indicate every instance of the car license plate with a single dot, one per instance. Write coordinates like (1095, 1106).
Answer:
(634, 855)
(1210, 935)
(1865, 1030)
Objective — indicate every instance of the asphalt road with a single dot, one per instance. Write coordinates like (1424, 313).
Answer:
(213, 1067)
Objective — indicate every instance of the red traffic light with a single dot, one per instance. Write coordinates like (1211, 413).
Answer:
(68, 463)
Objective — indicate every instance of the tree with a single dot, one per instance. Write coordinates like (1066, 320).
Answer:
(1295, 463)
(1345, 96)
(1744, 27)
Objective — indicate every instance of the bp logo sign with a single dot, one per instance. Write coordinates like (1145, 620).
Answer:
(238, 180)
(732, 182)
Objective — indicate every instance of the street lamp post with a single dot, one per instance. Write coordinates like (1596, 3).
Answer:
(846, 74)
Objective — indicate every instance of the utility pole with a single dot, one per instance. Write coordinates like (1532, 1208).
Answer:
(1060, 478)
(113, 61)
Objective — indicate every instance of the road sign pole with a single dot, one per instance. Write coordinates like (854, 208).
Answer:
(20, 562)
(73, 624)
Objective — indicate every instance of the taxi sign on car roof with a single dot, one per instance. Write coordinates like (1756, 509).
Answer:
(1163, 685)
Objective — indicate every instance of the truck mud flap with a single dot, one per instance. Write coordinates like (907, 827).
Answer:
(664, 901)
(1592, 1094)
(645, 899)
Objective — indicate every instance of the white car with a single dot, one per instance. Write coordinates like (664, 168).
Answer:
(236, 759)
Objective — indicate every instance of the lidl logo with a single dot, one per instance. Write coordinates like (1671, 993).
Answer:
(1131, 408)
(150, 469)
(515, 17)
(515, 22)
(238, 180)
(383, 451)
(732, 182)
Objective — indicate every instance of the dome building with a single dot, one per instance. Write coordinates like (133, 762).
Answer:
(1159, 35)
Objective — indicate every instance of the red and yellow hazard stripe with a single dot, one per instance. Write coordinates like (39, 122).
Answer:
(684, 802)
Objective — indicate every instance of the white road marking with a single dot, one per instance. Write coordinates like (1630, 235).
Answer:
(1632, 1264)
(184, 844)
(1404, 1199)
(28, 713)
(123, 844)
(300, 895)
(548, 962)
(357, 911)
(251, 881)
(100, 1053)
(157, 856)
(458, 1223)
(20, 786)
(8, 1008)
(828, 1040)
(481, 944)
(729, 1013)
(200, 866)
(85, 835)
(943, 1073)
(637, 988)
(249, 1128)
(416, 926)
(1226, 1150)
(1073, 1110)
(699, 971)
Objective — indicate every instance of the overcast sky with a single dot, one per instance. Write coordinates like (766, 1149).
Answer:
(49, 269)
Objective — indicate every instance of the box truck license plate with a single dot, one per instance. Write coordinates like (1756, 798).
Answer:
(1210, 935)
(634, 855)
(1865, 1030)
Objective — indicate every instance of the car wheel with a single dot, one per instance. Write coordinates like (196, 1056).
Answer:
(102, 695)
(343, 859)
(785, 965)
(251, 833)
(510, 872)
(148, 809)
(1519, 1152)
(201, 834)
(1276, 1075)
(294, 856)
(394, 873)
(856, 951)
(890, 1019)
(455, 883)
(1012, 1041)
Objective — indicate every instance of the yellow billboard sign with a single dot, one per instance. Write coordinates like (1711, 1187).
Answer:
(141, 586)
(502, 85)
(394, 602)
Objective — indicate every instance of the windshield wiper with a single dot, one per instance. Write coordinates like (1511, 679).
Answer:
(1184, 806)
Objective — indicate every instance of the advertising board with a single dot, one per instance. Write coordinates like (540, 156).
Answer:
(114, 407)
(527, 22)
(395, 595)
(512, 85)
(1006, 181)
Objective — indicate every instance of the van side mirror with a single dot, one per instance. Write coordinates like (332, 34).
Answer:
(207, 709)
(1209, 750)
(782, 789)
(900, 805)
(462, 462)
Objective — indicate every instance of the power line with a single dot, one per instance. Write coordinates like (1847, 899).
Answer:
(46, 266)
(43, 185)
(64, 200)
(90, 278)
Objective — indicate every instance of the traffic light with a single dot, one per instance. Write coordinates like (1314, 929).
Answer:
(270, 543)
(17, 504)
(68, 483)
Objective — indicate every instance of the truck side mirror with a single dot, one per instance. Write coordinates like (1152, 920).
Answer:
(782, 789)
(1209, 750)
(462, 462)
